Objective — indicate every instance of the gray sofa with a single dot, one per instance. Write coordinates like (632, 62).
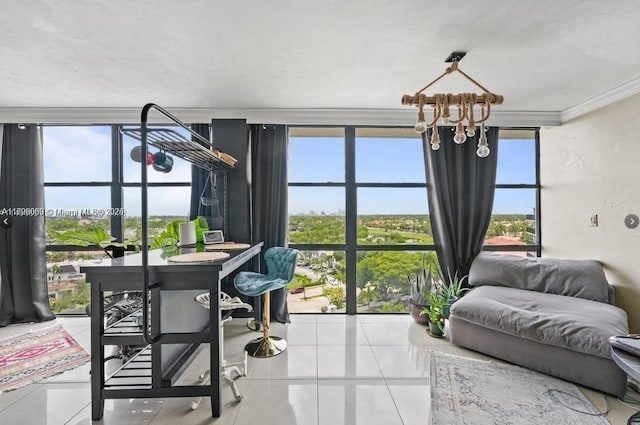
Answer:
(550, 315)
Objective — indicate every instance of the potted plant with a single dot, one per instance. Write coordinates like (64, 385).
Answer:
(434, 311)
(454, 291)
(420, 286)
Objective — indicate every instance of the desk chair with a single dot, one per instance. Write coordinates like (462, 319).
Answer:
(281, 263)
(239, 369)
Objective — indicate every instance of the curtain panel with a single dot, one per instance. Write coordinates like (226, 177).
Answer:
(24, 294)
(269, 192)
(460, 191)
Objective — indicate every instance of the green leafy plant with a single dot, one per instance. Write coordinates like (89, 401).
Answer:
(420, 285)
(455, 289)
(168, 237)
(393, 307)
(201, 227)
(335, 295)
(437, 301)
(86, 237)
(98, 237)
(171, 235)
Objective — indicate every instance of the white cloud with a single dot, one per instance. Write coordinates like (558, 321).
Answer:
(77, 154)
(83, 154)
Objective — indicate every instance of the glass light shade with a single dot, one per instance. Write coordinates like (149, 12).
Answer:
(483, 145)
(483, 151)
(460, 138)
(435, 137)
(435, 146)
(471, 132)
(420, 127)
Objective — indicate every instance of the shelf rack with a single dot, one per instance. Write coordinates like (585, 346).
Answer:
(150, 135)
(171, 141)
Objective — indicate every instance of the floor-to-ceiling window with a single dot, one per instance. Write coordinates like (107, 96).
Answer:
(316, 170)
(92, 186)
(514, 226)
(357, 209)
(358, 213)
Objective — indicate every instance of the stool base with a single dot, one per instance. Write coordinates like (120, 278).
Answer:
(263, 348)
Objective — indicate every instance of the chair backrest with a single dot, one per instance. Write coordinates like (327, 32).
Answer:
(281, 262)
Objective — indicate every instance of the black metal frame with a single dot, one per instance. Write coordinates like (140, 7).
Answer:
(351, 247)
(199, 154)
(155, 382)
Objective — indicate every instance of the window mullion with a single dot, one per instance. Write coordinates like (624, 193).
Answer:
(117, 221)
(351, 218)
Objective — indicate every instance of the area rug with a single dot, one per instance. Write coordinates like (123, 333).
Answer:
(476, 392)
(37, 355)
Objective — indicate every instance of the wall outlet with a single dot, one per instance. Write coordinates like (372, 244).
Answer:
(593, 220)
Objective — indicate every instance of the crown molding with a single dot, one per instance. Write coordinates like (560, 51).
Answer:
(613, 95)
(374, 117)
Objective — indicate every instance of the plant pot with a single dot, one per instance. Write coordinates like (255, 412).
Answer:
(415, 311)
(435, 331)
(447, 308)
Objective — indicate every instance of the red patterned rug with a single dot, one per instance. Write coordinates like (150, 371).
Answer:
(36, 355)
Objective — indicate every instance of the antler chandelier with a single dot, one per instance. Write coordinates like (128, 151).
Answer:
(465, 104)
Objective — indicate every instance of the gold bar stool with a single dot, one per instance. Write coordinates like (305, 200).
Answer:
(281, 263)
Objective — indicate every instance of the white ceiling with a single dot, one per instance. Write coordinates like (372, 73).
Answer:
(555, 58)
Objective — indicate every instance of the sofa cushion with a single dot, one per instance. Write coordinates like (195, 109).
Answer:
(575, 278)
(573, 323)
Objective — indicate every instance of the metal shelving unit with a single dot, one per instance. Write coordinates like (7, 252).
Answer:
(170, 141)
(142, 375)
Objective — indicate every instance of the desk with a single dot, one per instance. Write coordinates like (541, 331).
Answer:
(179, 324)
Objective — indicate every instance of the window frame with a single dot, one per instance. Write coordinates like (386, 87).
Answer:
(351, 248)
(116, 186)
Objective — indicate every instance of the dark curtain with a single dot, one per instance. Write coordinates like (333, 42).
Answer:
(198, 179)
(23, 288)
(460, 193)
(269, 198)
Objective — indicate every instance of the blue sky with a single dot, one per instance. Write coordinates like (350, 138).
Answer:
(387, 160)
(78, 154)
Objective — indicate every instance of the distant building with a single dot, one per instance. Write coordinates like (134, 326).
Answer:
(507, 240)
(67, 269)
(504, 240)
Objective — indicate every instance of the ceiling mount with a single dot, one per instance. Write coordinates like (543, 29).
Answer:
(455, 56)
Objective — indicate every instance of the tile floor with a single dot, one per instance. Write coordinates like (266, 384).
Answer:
(337, 370)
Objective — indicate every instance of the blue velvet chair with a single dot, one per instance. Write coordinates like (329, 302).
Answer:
(281, 263)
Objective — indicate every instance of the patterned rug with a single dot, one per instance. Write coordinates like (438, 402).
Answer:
(475, 392)
(36, 355)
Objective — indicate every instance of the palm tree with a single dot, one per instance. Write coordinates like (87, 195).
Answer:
(323, 280)
(368, 294)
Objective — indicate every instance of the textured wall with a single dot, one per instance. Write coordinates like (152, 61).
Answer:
(591, 165)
